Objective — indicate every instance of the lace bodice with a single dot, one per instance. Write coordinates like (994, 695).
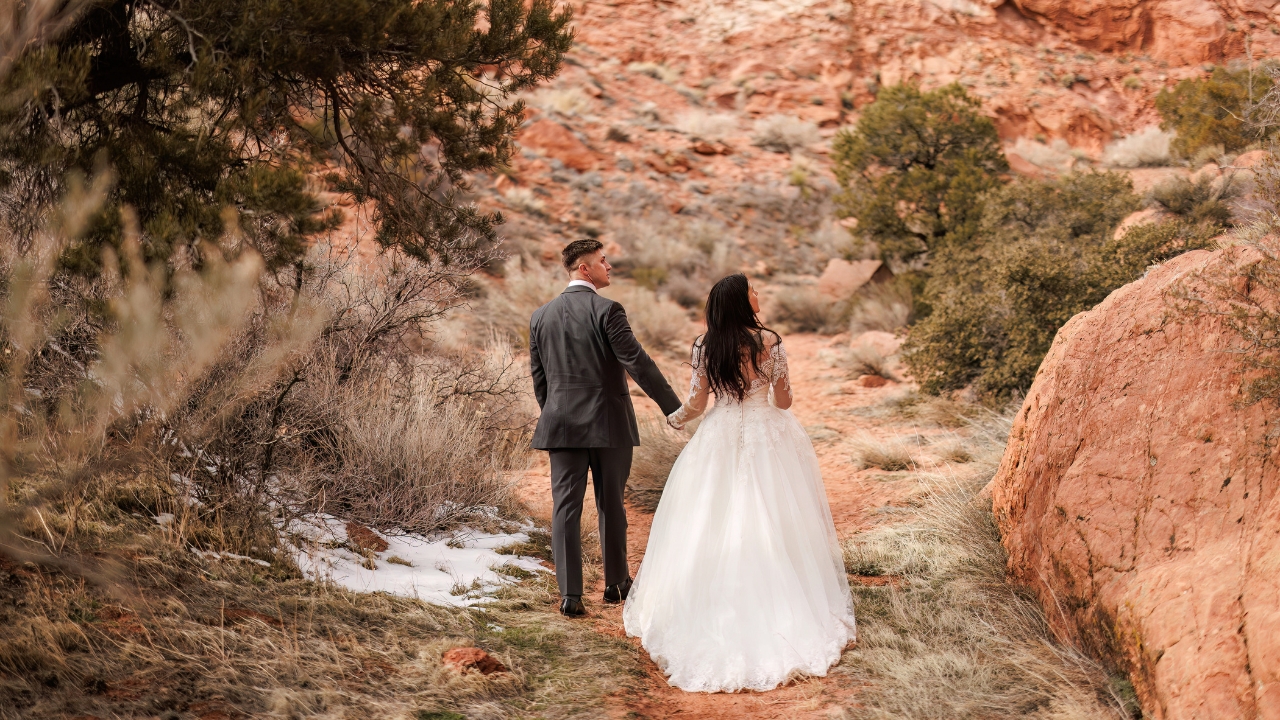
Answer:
(773, 375)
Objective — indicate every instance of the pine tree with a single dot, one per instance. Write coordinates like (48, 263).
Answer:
(914, 169)
(257, 105)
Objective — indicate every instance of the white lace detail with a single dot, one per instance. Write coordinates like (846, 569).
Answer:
(776, 367)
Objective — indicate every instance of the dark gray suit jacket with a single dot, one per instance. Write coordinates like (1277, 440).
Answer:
(581, 349)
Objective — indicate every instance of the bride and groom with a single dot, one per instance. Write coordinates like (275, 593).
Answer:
(742, 585)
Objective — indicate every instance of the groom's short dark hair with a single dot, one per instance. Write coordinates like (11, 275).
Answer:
(576, 249)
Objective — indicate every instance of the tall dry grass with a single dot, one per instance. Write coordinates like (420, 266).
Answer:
(941, 632)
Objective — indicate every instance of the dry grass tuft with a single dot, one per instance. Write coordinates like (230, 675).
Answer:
(865, 359)
(707, 126)
(1146, 148)
(911, 405)
(784, 133)
(660, 445)
(891, 455)
(949, 637)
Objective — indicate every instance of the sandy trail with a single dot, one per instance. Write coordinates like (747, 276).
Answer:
(825, 399)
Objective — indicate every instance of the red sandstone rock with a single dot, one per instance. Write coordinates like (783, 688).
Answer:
(1177, 31)
(871, 381)
(1140, 501)
(1251, 159)
(1145, 216)
(557, 141)
(842, 278)
(466, 659)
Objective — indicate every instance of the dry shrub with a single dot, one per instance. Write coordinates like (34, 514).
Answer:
(508, 305)
(1148, 147)
(883, 306)
(407, 454)
(801, 308)
(660, 445)
(658, 323)
(891, 455)
(1058, 156)
(563, 100)
(784, 133)
(947, 636)
(707, 126)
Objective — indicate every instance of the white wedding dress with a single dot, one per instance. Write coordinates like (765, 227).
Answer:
(743, 585)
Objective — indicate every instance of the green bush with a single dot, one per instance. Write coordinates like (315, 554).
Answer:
(1049, 253)
(914, 170)
(1212, 111)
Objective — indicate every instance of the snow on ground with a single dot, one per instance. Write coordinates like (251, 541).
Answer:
(452, 570)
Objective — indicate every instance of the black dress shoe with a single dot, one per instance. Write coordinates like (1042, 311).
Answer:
(572, 607)
(617, 593)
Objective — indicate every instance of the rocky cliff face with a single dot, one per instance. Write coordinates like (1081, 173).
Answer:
(672, 111)
(1139, 498)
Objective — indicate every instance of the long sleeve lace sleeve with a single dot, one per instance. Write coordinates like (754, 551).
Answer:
(699, 391)
(779, 376)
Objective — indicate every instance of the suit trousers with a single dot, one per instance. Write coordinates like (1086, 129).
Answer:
(609, 470)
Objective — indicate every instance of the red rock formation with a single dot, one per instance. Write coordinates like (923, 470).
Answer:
(1177, 31)
(557, 141)
(1138, 498)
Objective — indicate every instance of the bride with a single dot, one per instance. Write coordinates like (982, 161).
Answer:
(742, 586)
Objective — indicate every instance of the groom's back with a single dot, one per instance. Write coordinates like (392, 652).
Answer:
(580, 382)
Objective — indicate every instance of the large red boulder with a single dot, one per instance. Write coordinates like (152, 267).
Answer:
(1138, 494)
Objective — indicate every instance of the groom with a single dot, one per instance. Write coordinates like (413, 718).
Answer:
(581, 350)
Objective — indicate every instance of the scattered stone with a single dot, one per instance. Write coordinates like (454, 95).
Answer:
(467, 659)
(872, 381)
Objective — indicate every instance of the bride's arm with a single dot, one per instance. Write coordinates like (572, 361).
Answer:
(780, 376)
(699, 391)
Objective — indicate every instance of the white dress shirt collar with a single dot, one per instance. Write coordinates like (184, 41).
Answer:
(583, 283)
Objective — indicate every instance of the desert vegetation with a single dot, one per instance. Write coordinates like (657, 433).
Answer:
(262, 264)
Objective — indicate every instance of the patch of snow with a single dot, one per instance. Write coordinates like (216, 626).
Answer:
(163, 519)
(452, 570)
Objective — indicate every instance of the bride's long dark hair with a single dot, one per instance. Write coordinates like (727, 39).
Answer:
(734, 335)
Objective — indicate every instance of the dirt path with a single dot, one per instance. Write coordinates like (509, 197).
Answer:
(826, 399)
